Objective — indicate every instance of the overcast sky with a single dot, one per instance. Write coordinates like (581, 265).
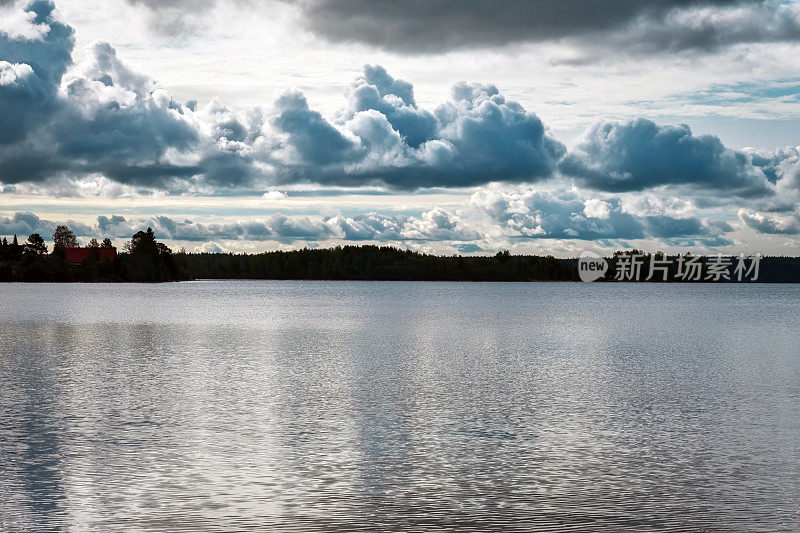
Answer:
(437, 125)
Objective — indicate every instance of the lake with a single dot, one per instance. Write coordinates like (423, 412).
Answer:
(297, 406)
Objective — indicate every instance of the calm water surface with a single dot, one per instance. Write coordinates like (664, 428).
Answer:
(399, 406)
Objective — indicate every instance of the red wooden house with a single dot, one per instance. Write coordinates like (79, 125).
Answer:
(76, 256)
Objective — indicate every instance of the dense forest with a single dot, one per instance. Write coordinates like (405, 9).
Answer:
(144, 259)
(387, 263)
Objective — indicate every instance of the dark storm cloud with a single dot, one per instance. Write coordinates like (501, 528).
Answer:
(668, 227)
(769, 163)
(436, 26)
(709, 29)
(23, 224)
(440, 25)
(104, 222)
(383, 138)
(640, 154)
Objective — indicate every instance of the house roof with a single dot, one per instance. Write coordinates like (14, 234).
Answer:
(78, 255)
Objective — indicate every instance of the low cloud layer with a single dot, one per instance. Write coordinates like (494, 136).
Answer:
(24, 224)
(493, 218)
(434, 225)
(533, 214)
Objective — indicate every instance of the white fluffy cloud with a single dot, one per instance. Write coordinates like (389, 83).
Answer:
(596, 208)
(533, 214)
(640, 154)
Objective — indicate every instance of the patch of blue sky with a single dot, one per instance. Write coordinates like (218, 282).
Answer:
(785, 90)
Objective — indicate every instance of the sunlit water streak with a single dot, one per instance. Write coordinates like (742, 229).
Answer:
(399, 406)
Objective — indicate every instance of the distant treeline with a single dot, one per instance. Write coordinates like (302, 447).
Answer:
(144, 259)
(388, 263)
(375, 263)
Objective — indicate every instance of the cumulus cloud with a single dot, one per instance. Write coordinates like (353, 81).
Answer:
(103, 118)
(771, 224)
(596, 208)
(533, 214)
(21, 24)
(782, 167)
(640, 154)
(274, 195)
(394, 99)
(479, 137)
(307, 141)
(629, 26)
(210, 248)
